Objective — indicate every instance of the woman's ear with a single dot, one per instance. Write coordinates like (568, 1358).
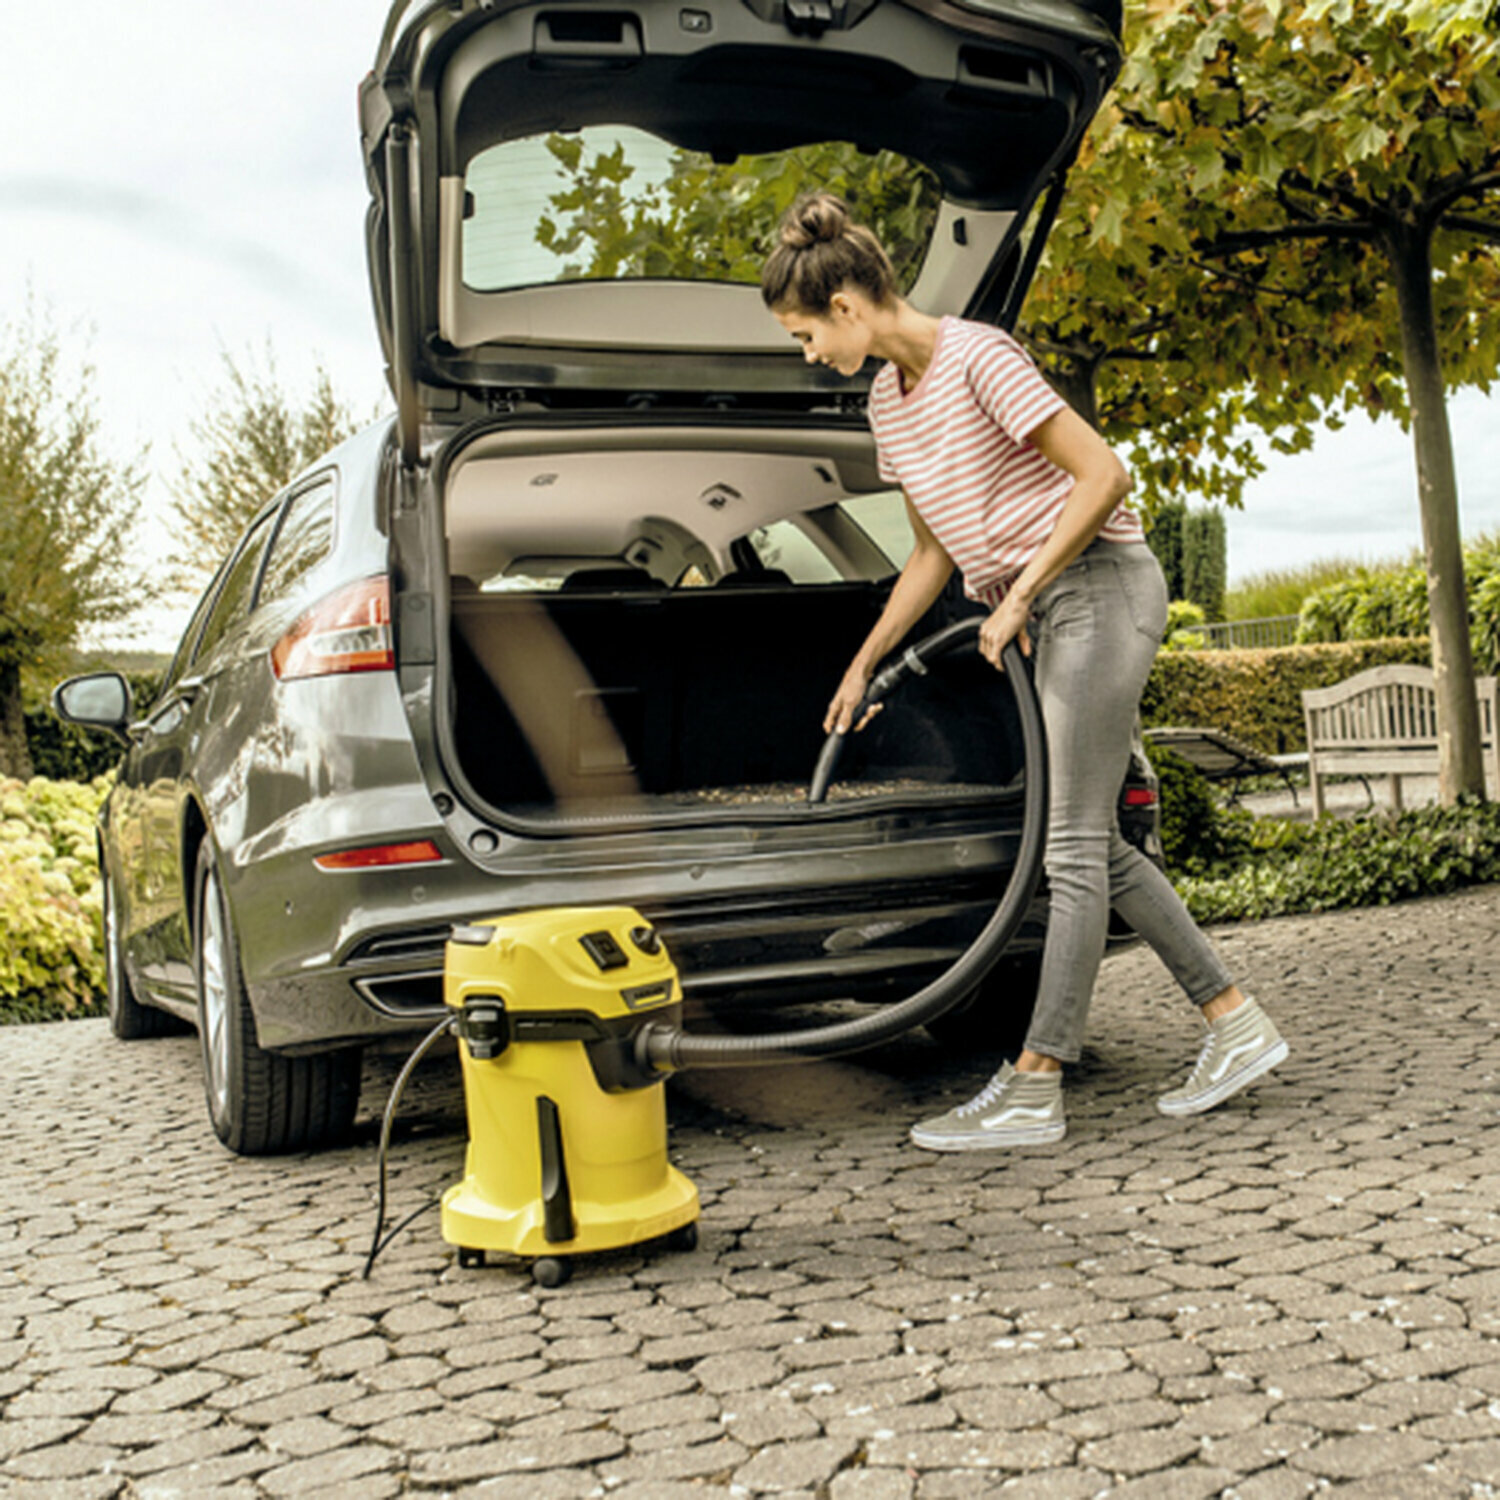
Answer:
(842, 305)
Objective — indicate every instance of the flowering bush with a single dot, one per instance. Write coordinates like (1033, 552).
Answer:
(51, 919)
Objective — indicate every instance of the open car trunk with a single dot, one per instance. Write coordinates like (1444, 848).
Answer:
(614, 700)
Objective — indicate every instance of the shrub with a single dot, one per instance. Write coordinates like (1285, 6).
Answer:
(1182, 616)
(1191, 836)
(1256, 695)
(51, 926)
(1280, 591)
(1392, 601)
(1367, 861)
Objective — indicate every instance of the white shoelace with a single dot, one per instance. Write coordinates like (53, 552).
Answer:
(1203, 1055)
(988, 1095)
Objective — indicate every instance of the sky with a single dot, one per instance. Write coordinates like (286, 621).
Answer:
(187, 182)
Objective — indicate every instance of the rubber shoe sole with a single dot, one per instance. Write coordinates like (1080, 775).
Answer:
(989, 1140)
(1227, 1087)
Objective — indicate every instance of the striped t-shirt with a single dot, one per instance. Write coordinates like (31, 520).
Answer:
(957, 444)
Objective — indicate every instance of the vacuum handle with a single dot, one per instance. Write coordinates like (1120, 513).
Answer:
(911, 662)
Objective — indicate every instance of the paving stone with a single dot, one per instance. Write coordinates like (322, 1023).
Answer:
(650, 1415)
(348, 1468)
(1367, 1455)
(971, 1450)
(783, 1467)
(1410, 1484)
(20, 1436)
(368, 1411)
(1120, 1417)
(85, 1487)
(443, 1468)
(195, 1448)
(767, 1419)
(1139, 1452)
(872, 1484)
(1256, 1300)
(1279, 1483)
(707, 1461)
(561, 1485)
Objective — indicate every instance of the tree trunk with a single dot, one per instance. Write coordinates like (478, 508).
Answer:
(1076, 382)
(1460, 769)
(15, 756)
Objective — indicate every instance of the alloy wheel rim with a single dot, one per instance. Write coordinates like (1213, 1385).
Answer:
(213, 998)
(113, 979)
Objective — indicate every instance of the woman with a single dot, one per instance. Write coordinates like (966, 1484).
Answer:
(1005, 482)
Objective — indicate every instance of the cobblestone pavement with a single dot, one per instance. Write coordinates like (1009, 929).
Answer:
(1298, 1292)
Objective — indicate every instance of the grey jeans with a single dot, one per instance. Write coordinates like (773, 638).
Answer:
(1095, 630)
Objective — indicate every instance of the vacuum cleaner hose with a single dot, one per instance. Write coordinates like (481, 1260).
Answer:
(664, 1048)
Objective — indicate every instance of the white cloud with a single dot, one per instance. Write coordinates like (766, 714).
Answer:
(186, 178)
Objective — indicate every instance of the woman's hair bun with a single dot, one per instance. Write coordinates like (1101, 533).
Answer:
(821, 250)
(815, 219)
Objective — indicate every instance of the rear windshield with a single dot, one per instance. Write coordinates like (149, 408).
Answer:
(613, 202)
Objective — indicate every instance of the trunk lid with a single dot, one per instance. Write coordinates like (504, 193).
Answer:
(484, 122)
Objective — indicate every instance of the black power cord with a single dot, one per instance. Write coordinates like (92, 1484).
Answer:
(447, 1024)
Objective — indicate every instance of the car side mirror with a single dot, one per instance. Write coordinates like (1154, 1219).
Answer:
(100, 700)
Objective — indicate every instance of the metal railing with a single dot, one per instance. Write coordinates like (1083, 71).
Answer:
(1270, 630)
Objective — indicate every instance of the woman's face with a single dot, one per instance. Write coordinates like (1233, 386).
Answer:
(839, 338)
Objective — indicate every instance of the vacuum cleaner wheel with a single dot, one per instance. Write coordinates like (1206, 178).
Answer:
(551, 1270)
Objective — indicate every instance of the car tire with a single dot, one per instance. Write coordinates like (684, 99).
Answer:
(128, 1018)
(996, 1013)
(259, 1102)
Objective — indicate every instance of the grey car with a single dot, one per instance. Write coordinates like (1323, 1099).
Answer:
(562, 631)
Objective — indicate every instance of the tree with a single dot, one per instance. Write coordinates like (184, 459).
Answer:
(68, 516)
(1165, 540)
(1204, 570)
(707, 219)
(1363, 135)
(1172, 356)
(253, 439)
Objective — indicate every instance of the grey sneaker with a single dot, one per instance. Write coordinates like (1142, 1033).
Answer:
(1012, 1109)
(1238, 1049)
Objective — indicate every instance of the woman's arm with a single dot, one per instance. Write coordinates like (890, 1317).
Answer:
(913, 594)
(1100, 482)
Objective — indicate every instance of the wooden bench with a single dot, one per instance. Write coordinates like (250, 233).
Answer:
(1383, 722)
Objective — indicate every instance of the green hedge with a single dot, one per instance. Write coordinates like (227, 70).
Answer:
(1272, 868)
(1256, 695)
(51, 926)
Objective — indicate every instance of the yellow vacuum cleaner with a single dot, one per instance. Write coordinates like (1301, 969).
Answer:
(567, 1145)
(569, 1023)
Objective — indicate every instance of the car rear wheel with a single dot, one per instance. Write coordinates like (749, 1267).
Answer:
(128, 1018)
(996, 1013)
(259, 1102)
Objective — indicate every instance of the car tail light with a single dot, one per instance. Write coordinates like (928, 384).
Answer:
(373, 856)
(349, 631)
(1140, 796)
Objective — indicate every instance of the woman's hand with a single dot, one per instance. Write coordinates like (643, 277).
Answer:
(840, 716)
(1006, 624)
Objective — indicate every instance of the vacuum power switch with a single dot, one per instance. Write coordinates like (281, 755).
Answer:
(604, 950)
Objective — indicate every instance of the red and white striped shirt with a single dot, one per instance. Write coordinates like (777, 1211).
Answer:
(957, 444)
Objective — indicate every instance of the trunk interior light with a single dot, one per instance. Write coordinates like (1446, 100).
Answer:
(374, 856)
(349, 631)
(1140, 796)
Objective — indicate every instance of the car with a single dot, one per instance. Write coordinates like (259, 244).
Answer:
(562, 630)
